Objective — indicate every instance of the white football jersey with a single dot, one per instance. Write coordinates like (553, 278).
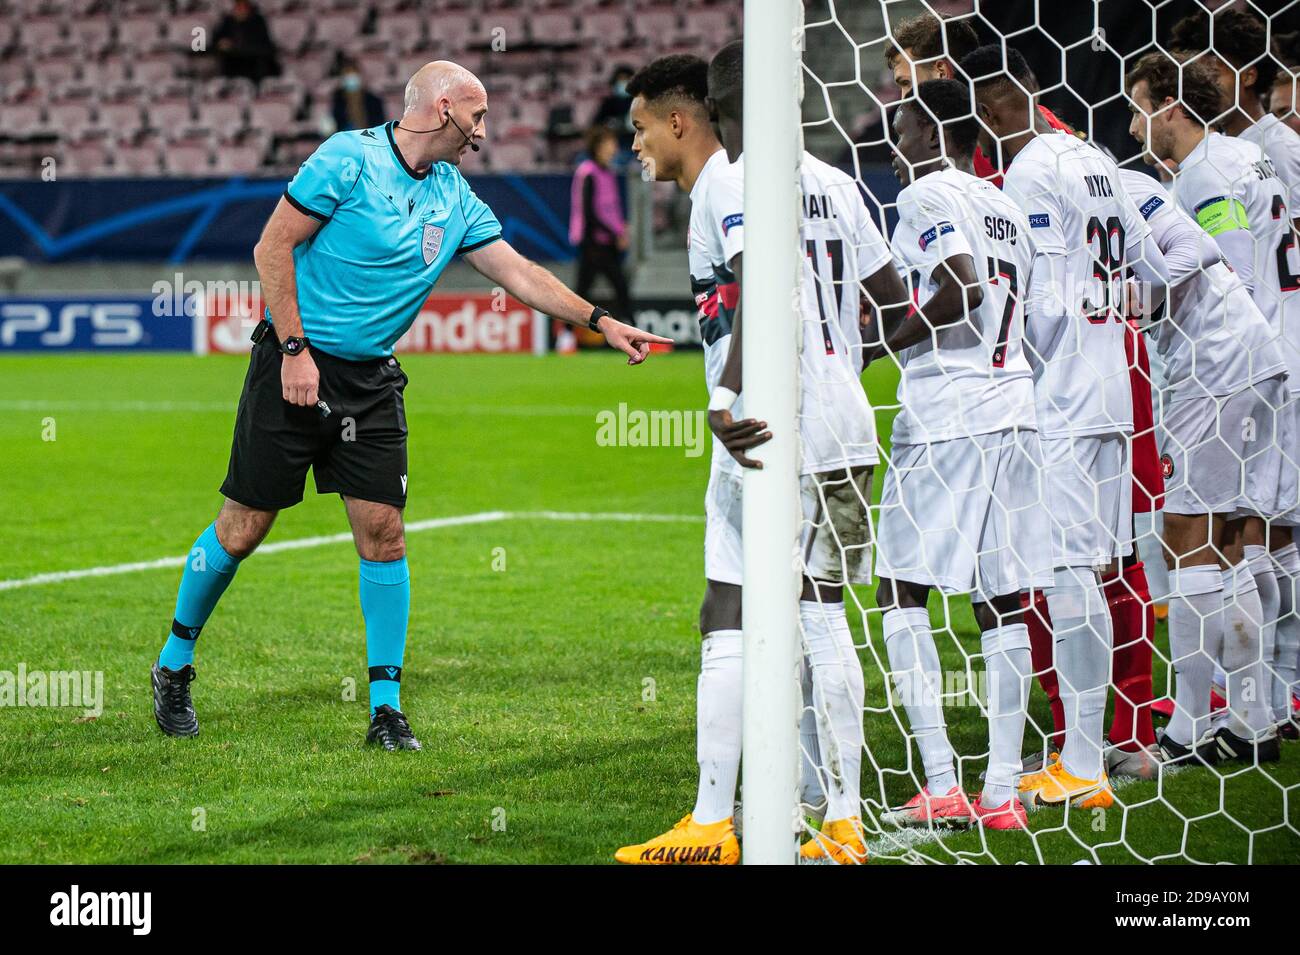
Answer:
(842, 247)
(1076, 205)
(1281, 144)
(1227, 184)
(977, 380)
(1216, 341)
(715, 298)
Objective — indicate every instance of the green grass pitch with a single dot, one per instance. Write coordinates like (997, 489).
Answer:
(551, 667)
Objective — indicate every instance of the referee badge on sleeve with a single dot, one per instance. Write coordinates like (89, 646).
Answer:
(431, 242)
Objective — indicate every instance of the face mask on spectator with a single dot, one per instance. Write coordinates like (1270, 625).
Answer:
(351, 82)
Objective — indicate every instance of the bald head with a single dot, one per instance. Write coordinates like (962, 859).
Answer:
(447, 104)
(441, 78)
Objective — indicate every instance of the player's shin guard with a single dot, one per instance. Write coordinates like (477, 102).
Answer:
(718, 726)
(1038, 619)
(208, 572)
(812, 793)
(386, 606)
(1270, 601)
(1148, 527)
(1242, 642)
(1007, 665)
(1286, 645)
(1195, 642)
(1083, 652)
(839, 694)
(914, 663)
(1133, 622)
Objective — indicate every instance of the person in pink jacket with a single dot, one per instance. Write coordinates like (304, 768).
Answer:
(596, 223)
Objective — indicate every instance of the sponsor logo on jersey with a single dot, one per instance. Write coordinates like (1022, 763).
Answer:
(735, 219)
(1039, 220)
(1150, 206)
(929, 235)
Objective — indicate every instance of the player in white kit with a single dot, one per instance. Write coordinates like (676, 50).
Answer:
(845, 256)
(1245, 71)
(962, 508)
(1228, 187)
(1086, 233)
(837, 530)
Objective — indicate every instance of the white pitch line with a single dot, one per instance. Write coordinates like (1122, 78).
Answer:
(196, 407)
(484, 517)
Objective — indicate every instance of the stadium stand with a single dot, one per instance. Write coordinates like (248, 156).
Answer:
(132, 88)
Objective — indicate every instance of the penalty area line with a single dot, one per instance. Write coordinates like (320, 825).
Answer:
(302, 543)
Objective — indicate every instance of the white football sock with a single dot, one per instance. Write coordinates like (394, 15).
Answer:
(1149, 527)
(839, 694)
(1269, 587)
(1242, 617)
(1084, 640)
(718, 725)
(1287, 642)
(914, 662)
(1008, 671)
(811, 791)
(1195, 642)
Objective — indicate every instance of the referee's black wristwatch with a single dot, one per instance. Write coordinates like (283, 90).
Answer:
(597, 314)
(294, 346)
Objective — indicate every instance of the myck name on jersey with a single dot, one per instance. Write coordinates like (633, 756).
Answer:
(1000, 229)
(1098, 185)
(818, 207)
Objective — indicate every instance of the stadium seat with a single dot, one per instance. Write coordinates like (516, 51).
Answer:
(290, 32)
(131, 51)
(336, 29)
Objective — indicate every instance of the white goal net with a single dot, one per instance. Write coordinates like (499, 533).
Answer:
(1079, 465)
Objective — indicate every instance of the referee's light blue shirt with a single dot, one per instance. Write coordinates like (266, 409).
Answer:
(387, 233)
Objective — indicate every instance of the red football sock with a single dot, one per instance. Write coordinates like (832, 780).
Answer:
(1133, 620)
(1039, 622)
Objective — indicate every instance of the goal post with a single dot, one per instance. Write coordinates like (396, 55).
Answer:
(770, 343)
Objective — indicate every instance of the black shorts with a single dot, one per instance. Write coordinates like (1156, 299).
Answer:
(358, 449)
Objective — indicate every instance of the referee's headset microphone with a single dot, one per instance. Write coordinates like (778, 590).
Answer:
(450, 119)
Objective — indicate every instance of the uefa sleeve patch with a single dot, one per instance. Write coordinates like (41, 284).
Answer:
(929, 235)
(1150, 206)
(1039, 220)
(731, 221)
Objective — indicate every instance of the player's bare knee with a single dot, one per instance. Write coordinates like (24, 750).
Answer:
(241, 529)
(821, 591)
(721, 608)
(1004, 610)
(382, 544)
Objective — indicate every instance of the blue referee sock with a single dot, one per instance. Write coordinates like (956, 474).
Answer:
(386, 605)
(208, 572)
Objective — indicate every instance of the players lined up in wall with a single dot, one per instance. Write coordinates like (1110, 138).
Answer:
(1025, 441)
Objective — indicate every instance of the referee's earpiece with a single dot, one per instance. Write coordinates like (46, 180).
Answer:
(446, 113)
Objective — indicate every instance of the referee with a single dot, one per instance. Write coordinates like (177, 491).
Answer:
(346, 260)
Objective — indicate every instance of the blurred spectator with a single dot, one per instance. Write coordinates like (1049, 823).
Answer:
(596, 223)
(244, 45)
(354, 106)
(613, 109)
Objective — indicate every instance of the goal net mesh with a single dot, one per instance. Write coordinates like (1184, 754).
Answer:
(1231, 811)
